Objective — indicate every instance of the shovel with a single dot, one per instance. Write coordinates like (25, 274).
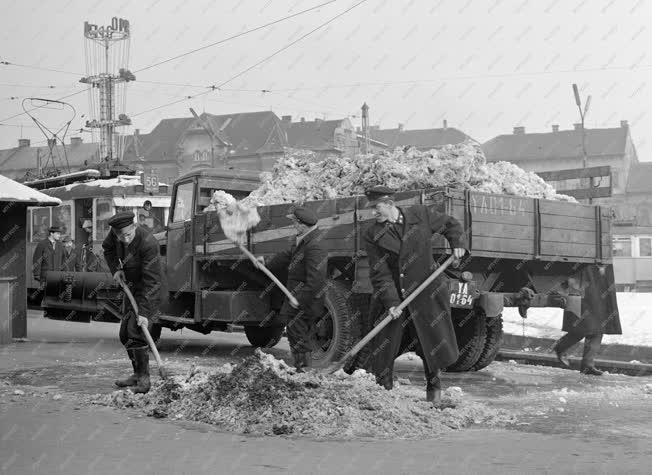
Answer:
(161, 369)
(358, 346)
(234, 226)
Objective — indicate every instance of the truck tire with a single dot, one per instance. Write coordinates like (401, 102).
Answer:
(335, 330)
(263, 337)
(492, 343)
(471, 332)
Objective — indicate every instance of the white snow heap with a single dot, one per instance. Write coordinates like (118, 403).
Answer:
(301, 175)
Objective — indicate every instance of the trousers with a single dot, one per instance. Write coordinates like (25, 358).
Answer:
(591, 346)
(131, 336)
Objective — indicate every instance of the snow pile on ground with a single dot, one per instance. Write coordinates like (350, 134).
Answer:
(301, 176)
(262, 395)
(635, 311)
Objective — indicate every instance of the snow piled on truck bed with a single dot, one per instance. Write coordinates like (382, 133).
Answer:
(635, 318)
(263, 396)
(300, 175)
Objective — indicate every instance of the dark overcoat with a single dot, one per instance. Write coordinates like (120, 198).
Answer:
(71, 262)
(46, 257)
(140, 262)
(596, 285)
(306, 267)
(393, 278)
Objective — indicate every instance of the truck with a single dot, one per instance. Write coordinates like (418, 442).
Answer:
(524, 251)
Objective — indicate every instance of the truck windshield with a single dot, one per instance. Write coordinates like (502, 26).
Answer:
(183, 203)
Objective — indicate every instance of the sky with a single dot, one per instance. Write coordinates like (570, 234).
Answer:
(483, 66)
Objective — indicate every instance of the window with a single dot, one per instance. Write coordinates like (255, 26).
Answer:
(645, 246)
(152, 220)
(622, 246)
(40, 223)
(104, 209)
(183, 203)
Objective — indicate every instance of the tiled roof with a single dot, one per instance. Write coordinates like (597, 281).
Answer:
(425, 138)
(312, 135)
(564, 143)
(15, 161)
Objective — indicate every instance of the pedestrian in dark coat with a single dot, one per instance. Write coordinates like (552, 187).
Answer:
(399, 246)
(47, 255)
(306, 263)
(69, 258)
(596, 285)
(132, 255)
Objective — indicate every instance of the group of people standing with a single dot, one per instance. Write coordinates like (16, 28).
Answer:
(55, 253)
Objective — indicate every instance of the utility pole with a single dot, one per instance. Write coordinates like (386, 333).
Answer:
(365, 128)
(583, 113)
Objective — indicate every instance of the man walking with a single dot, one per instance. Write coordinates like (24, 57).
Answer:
(595, 283)
(69, 258)
(399, 247)
(132, 255)
(47, 255)
(306, 264)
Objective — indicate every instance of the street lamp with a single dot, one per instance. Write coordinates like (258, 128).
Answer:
(583, 113)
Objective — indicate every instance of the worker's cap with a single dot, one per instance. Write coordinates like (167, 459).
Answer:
(305, 216)
(66, 238)
(147, 202)
(55, 229)
(121, 220)
(379, 193)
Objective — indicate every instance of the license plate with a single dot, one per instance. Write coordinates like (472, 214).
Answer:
(462, 294)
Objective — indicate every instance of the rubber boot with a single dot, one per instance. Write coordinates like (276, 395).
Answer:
(564, 344)
(298, 359)
(142, 367)
(591, 347)
(433, 387)
(133, 379)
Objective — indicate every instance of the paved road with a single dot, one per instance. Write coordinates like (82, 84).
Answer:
(570, 423)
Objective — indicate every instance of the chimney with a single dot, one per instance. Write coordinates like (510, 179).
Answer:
(23, 143)
(374, 127)
(445, 124)
(519, 130)
(75, 140)
(52, 142)
(317, 120)
(555, 127)
(623, 124)
(287, 118)
(577, 126)
(136, 132)
(400, 127)
(303, 119)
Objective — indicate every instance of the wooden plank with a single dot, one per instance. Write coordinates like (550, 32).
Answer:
(568, 249)
(510, 231)
(500, 205)
(563, 208)
(567, 222)
(522, 220)
(524, 246)
(567, 235)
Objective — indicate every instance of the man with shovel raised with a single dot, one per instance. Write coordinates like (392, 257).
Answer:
(132, 254)
(399, 247)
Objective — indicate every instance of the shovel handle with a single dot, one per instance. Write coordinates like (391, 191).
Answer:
(143, 327)
(383, 323)
(269, 274)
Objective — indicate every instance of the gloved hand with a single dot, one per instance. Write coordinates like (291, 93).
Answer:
(119, 277)
(395, 313)
(260, 261)
(142, 321)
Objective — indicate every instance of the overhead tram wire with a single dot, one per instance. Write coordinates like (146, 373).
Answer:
(238, 35)
(258, 63)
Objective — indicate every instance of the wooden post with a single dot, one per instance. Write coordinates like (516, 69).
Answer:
(6, 309)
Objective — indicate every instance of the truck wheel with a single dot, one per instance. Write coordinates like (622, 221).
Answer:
(334, 332)
(470, 331)
(492, 343)
(263, 337)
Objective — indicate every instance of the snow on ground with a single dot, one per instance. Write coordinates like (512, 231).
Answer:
(635, 317)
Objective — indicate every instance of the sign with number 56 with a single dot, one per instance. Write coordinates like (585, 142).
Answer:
(150, 182)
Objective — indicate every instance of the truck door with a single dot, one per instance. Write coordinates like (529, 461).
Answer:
(179, 247)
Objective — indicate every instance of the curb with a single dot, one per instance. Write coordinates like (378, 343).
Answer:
(613, 352)
(526, 357)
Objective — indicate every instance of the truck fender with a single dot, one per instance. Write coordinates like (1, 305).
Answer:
(491, 303)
